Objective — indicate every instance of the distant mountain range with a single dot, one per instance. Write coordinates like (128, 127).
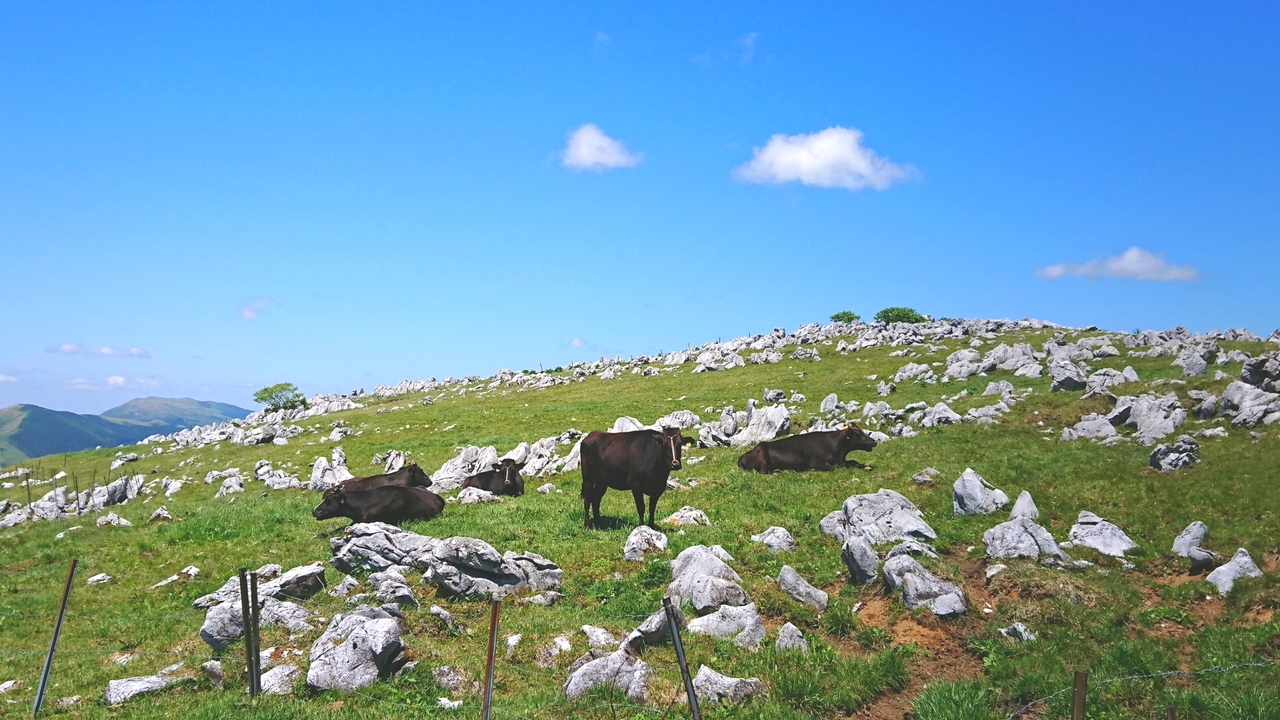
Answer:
(28, 431)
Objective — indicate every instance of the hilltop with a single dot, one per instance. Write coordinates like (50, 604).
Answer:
(1073, 417)
(30, 431)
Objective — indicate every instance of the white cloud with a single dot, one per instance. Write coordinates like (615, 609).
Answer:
(747, 45)
(251, 309)
(576, 343)
(830, 158)
(1134, 264)
(590, 149)
(602, 38)
(115, 381)
(8, 378)
(147, 383)
(77, 349)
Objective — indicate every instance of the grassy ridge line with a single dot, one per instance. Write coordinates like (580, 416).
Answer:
(1232, 490)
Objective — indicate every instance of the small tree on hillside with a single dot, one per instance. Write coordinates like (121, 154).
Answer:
(899, 315)
(846, 316)
(281, 396)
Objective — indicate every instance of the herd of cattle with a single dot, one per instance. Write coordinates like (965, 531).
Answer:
(639, 462)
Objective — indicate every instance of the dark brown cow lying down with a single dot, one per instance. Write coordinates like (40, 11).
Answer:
(408, 476)
(639, 462)
(808, 451)
(502, 480)
(391, 504)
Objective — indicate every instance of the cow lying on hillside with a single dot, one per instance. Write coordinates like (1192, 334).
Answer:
(408, 476)
(502, 480)
(391, 504)
(826, 450)
(639, 461)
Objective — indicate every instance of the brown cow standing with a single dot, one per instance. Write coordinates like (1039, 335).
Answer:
(638, 461)
(825, 450)
(502, 480)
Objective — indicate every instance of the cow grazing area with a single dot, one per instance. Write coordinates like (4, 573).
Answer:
(869, 656)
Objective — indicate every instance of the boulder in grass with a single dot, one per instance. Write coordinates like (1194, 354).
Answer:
(972, 495)
(1181, 455)
(860, 558)
(790, 638)
(687, 516)
(655, 630)
(1241, 565)
(921, 587)
(621, 669)
(1021, 537)
(800, 590)
(882, 517)
(776, 539)
(280, 679)
(1191, 537)
(357, 649)
(641, 540)
(119, 691)
(1097, 533)
(711, 686)
(1025, 507)
(741, 624)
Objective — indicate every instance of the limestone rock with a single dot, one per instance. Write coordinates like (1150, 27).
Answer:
(280, 679)
(1240, 565)
(790, 638)
(921, 587)
(1192, 537)
(742, 624)
(1178, 456)
(860, 558)
(357, 648)
(1025, 507)
(1021, 537)
(776, 539)
(800, 590)
(1094, 532)
(119, 691)
(621, 669)
(687, 515)
(641, 540)
(972, 495)
(711, 686)
(882, 517)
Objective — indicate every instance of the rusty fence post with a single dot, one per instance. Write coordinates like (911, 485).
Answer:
(53, 643)
(1170, 713)
(684, 665)
(489, 663)
(253, 624)
(1077, 696)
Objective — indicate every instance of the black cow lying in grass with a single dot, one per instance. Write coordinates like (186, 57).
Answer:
(639, 461)
(408, 476)
(391, 504)
(808, 451)
(502, 480)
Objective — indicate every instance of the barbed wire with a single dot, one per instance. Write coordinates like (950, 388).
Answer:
(1150, 676)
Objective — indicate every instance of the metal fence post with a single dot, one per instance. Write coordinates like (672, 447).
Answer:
(53, 644)
(1170, 713)
(1077, 697)
(245, 619)
(257, 645)
(684, 665)
(493, 648)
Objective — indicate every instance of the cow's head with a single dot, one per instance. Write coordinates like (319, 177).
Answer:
(856, 439)
(334, 504)
(512, 482)
(674, 443)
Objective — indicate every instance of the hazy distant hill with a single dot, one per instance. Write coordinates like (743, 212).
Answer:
(32, 431)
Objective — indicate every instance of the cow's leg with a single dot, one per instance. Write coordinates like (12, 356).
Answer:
(639, 498)
(595, 508)
(586, 514)
(653, 507)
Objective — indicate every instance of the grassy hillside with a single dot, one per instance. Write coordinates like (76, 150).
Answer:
(30, 431)
(175, 412)
(880, 663)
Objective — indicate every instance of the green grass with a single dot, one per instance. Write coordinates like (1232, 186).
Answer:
(1121, 623)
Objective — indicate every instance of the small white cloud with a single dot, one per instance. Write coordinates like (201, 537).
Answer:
(1134, 264)
(82, 384)
(116, 381)
(8, 378)
(747, 46)
(251, 309)
(602, 38)
(147, 383)
(590, 149)
(576, 343)
(830, 158)
(77, 349)
(66, 349)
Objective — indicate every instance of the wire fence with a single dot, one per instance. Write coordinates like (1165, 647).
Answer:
(547, 668)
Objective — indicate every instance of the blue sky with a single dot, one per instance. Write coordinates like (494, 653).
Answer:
(198, 201)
